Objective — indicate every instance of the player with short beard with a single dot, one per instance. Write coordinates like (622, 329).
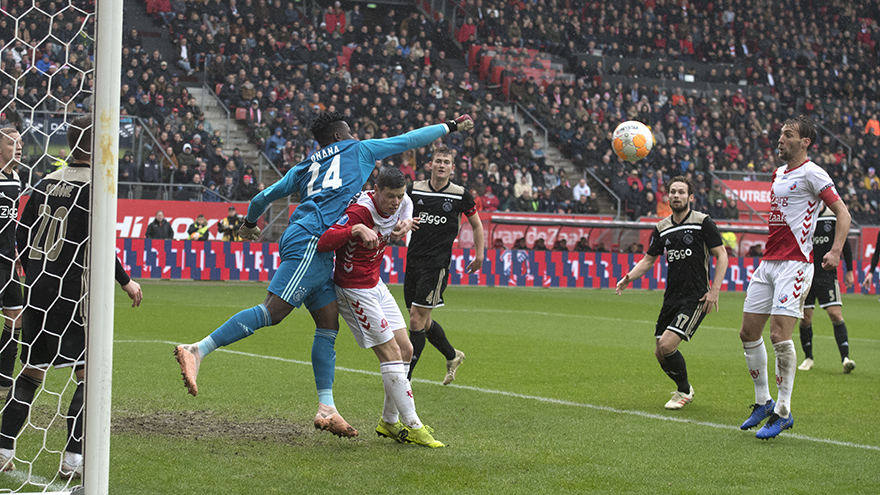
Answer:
(325, 182)
(359, 239)
(439, 204)
(779, 285)
(688, 237)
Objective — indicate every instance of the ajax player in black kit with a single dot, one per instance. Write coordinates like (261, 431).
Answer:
(438, 204)
(688, 238)
(53, 240)
(826, 291)
(10, 288)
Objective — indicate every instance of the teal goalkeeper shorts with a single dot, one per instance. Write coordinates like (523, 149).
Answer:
(304, 275)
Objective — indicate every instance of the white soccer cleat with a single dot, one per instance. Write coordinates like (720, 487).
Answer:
(69, 472)
(806, 365)
(452, 366)
(679, 400)
(848, 365)
(6, 464)
(189, 358)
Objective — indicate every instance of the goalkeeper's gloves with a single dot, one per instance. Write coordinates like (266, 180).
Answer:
(463, 123)
(249, 231)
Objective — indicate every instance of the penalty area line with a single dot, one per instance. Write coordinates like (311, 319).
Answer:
(537, 398)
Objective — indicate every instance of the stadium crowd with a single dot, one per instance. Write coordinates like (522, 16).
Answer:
(277, 66)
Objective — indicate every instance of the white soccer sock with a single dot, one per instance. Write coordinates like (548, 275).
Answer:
(786, 364)
(398, 389)
(389, 411)
(7, 453)
(756, 359)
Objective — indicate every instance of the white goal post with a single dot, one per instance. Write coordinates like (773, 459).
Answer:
(99, 330)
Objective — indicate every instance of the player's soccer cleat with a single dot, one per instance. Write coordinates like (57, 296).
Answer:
(335, 424)
(69, 472)
(420, 436)
(848, 365)
(189, 359)
(806, 365)
(680, 400)
(759, 413)
(6, 464)
(774, 426)
(452, 366)
(388, 430)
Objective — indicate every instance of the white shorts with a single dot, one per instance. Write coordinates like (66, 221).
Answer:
(779, 287)
(371, 314)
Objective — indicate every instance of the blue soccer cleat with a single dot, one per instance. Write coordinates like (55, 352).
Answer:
(759, 413)
(774, 426)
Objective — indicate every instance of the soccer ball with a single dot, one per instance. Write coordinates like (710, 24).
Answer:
(632, 141)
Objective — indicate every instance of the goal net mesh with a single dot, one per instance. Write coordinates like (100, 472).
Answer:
(46, 81)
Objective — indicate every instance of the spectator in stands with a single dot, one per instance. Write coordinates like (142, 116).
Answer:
(539, 245)
(582, 205)
(506, 201)
(127, 174)
(246, 190)
(489, 201)
(186, 159)
(547, 203)
(561, 244)
(526, 203)
(159, 228)
(581, 189)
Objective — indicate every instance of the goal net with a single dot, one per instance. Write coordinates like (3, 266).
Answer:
(58, 310)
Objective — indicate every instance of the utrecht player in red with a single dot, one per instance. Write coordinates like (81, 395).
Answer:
(780, 285)
(359, 239)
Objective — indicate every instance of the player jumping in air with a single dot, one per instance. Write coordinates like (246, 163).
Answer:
(826, 290)
(438, 203)
(688, 238)
(780, 284)
(325, 181)
(359, 239)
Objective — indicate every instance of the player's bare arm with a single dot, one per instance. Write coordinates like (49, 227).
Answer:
(479, 243)
(710, 300)
(832, 258)
(640, 269)
(133, 289)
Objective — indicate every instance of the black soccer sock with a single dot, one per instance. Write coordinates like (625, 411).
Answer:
(842, 339)
(417, 338)
(437, 338)
(75, 421)
(8, 353)
(807, 341)
(676, 369)
(18, 406)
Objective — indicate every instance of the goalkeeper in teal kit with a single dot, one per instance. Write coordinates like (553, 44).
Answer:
(326, 182)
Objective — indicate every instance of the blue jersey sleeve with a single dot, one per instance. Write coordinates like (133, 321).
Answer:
(283, 188)
(378, 149)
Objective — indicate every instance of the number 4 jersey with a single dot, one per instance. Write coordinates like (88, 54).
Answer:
(52, 239)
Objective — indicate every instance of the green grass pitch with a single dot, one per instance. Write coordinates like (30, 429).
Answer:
(560, 393)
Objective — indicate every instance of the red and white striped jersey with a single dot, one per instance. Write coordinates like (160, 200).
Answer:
(794, 209)
(356, 266)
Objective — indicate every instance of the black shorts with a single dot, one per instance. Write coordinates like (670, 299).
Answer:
(424, 287)
(10, 288)
(52, 338)
(826, 290)
(681, 317)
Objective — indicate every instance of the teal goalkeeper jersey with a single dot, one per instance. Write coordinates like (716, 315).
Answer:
(328, 179)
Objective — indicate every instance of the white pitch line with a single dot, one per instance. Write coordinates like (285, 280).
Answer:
(22, 476)
(537, 398)
(610, 318)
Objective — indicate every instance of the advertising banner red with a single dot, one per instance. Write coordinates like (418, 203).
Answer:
(133, 215)
(755, 194)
